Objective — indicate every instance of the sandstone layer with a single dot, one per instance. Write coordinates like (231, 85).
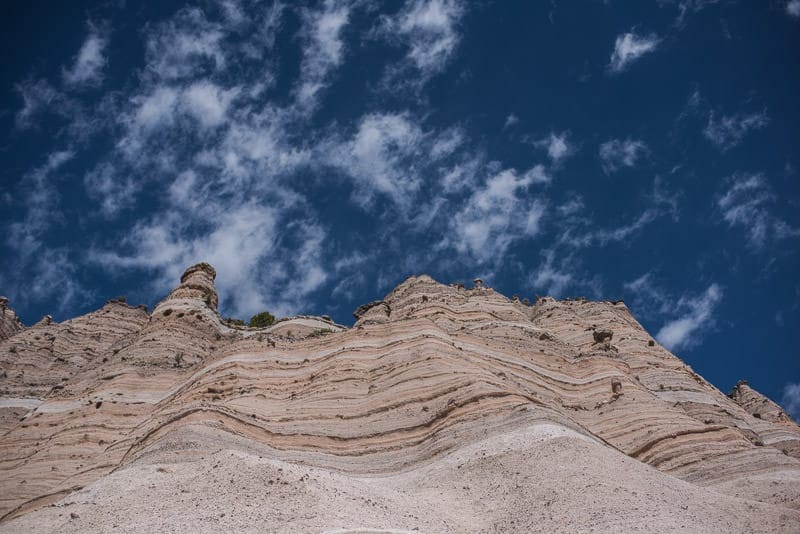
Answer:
(442, 409)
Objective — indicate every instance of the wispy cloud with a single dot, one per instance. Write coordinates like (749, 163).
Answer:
(323, 50)
(197, 128)
(793, 9)
(616, 154)
(511, 120)
(686, 7)
(696, 319)
(40, 98)
(629, 47)
(87, 69)
(187, 45)
(41, 271)
(727, 131)
(558, 146)
(378, 157)
(747, 202)
(429, 31)
(571, 207)
(110, 189)
(552, 277)
(647, 297)
(41, 201)
(791, 392)
(577, 230)
(611, 234)
(498, 213)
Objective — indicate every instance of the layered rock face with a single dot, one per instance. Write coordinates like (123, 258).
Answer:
(442, 409)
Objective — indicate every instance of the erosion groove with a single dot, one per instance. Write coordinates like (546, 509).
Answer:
(431, 381)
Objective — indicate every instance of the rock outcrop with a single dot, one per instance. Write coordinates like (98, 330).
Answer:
(443, 409)
(9, 322)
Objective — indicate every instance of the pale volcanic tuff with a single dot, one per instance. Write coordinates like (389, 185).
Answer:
(442, 409)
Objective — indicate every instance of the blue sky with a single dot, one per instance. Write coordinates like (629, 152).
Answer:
(318, 153)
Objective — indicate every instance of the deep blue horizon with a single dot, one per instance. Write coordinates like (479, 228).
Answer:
(318, 153)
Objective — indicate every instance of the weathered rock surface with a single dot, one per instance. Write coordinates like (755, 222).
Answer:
(9, 322)
(442, 409)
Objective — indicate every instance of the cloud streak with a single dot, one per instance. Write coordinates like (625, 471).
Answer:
(323, 51)
(791, 392)
(616, 154)
(87, 69)
(728, 131)
(629, 48)
(688, 329)
(498, 213)
(428, 30)
(746, 202)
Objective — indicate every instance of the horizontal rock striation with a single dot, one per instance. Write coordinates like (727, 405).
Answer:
(425, 374)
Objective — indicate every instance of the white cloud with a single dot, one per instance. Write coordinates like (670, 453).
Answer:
(194, 125)
(390, 155)
(447, 143)
(231, 162)
(647, 297)
(186, 45)
(629, 47)
(557, 145)
(793, 9)
(618, 153)
(728, 131)
(208, 103)
(688, 329)
(791, 392)
(41, 201)
(324, 49)
(428, 28)
(603, 236)
(40, 97)
(54, 277)
(241, 240)
(571, 207)
(581, 232)
(511, 120)
(39, 271)
(553, 279)
(461, 176)
(498, 213)
(91, 60)
(257, 147)
(157, 108)
(114, 192)
(746, 203)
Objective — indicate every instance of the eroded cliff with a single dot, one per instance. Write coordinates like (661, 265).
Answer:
(437, 394)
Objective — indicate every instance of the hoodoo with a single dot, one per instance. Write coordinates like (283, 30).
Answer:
(442, 409)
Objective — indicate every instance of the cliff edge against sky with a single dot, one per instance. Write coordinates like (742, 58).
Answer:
(442, 409)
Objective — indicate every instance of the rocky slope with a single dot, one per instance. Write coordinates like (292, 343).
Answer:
(9, 322)
(442, 409)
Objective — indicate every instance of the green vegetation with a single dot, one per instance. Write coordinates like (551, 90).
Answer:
(320, 332)
(260, 320)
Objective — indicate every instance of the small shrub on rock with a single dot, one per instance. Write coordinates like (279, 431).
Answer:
(260, 320)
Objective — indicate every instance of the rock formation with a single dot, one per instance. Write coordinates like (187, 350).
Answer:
(9, 322)
(442, 409)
